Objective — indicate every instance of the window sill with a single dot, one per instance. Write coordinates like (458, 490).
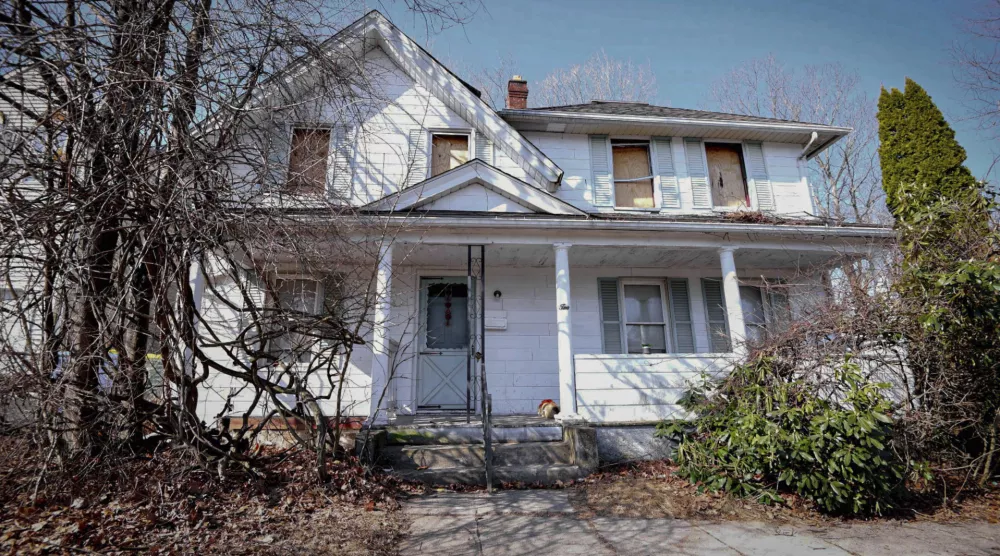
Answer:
(633, 209)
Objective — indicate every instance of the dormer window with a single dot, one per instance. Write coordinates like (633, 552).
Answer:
(448, 150)
(633, 175)
(307, 162)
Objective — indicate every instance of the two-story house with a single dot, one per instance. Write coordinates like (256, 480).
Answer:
(598, 254)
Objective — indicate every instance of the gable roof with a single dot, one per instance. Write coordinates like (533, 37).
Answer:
(678, 121)
(474, 172)
(375, 30)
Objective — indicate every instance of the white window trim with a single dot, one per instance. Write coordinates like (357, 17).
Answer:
(657, 195)
(623, 323)
(431, 132)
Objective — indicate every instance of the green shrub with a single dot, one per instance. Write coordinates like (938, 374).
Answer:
(759, 433)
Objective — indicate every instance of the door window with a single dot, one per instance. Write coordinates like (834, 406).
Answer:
(447, 324)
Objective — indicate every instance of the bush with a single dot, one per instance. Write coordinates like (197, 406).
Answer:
(758, 433)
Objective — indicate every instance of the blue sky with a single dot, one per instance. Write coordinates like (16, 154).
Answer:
(691, 43)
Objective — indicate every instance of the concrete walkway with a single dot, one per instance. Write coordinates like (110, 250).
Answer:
(544, 523)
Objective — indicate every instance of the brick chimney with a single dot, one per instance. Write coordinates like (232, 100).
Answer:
(517, 93)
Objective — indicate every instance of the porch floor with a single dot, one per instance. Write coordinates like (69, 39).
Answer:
(459, 420)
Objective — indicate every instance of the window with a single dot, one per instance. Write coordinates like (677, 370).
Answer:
(635, 313)
(447, 325)
(763, 310)
(633, 174)
(727, 174)
(307, 161)
(645, 322)
(448, 151)
(296, 298)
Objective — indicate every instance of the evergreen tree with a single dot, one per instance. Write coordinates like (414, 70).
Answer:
(919, 153)
(949, 289)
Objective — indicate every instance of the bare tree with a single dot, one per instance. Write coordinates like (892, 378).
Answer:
(601, 77)
(148, 205)
(978, 69)
(847, 176)
(492, 81)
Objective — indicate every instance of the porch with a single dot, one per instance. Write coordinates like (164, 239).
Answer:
(612, 326)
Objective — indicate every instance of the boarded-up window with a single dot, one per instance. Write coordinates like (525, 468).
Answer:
(727, 174)
(633, 174)
(447, 152)
(307, 161)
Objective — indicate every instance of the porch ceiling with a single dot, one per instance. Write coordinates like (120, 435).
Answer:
(528, 256)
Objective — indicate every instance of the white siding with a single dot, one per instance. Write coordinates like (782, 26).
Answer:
(571, 152)
(475, 198)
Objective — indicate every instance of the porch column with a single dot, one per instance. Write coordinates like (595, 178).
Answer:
(734, 306)
(380, 337)
(564, 331)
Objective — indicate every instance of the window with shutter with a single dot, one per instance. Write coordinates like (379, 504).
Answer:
(611, 334)
(307, 161)
(715, 309)
(680, 312)
(632, 174)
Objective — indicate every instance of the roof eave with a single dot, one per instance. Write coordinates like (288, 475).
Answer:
(777, 126)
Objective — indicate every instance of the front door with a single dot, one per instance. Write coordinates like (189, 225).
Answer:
(442, 371)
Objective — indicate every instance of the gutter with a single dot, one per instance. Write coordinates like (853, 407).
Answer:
(547, 115)
(507, 222)
(805, 150)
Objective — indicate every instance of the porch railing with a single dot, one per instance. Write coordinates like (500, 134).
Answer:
(476, 367)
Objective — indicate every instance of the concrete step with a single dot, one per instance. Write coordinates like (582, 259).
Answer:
(471, 455)
(425, 436)
(543, 474)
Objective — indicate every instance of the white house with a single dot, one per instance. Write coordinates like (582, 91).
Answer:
(616, 249)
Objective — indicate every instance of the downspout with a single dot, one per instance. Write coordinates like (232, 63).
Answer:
(805, 151)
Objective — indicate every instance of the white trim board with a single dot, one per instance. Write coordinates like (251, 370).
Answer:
(475, 172)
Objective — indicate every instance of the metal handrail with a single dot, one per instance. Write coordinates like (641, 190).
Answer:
(477, 357)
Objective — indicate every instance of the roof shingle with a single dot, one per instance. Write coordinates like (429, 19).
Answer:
(616, 108)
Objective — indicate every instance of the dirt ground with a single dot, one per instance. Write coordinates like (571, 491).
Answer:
(651, 490)
(161, 505)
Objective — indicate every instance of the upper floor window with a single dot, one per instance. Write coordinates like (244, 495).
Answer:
(448, 150)
(727, 175)
(307, 162)
(633, 174)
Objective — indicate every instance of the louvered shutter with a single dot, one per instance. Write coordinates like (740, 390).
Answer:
(416, 162)
(611, 329)
(694, 154)
(601, 169)
(680, 314)
(484, 149)
(252, 300)
(669, 190)
(715, 309)
(342, 170)
(277, 153)
(758, 173)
